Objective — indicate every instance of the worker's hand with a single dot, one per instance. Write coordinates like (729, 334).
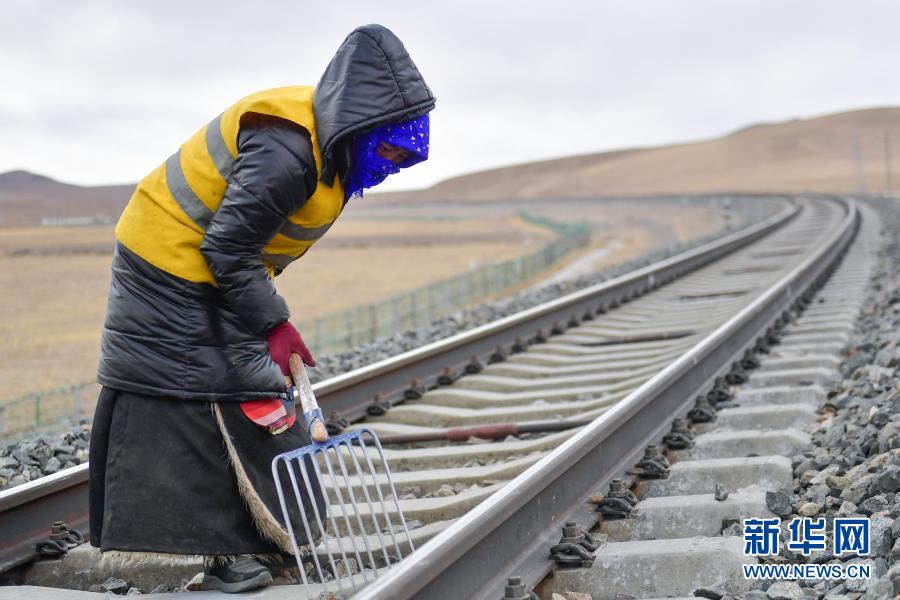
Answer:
(285, 340)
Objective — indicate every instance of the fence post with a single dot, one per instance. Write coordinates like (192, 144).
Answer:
(78, 401)
(348, 341)
(395, 314)
(384, 327)
(37, 411)
(430, 292)
(441, 291)
(317, 334)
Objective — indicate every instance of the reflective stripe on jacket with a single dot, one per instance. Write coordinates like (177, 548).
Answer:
(171, 208)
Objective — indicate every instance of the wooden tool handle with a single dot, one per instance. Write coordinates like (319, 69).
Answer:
(317, 430)
(296, 365)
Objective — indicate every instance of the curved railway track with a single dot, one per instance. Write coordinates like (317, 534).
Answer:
(630, 355)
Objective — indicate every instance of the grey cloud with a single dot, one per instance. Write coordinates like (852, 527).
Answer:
(515, 80)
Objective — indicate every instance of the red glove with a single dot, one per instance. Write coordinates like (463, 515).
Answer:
(285, 340)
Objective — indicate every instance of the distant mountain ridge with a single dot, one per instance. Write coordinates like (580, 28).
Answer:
(816, 154)
(26, 198)
(22, 180)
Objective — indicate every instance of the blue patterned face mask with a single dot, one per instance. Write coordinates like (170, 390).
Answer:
(370, 169)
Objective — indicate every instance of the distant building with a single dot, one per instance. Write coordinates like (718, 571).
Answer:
(75, 221)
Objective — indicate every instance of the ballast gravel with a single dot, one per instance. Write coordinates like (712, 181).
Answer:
(853, 466)
(44, 455)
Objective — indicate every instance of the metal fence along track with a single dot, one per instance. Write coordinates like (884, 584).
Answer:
(353, 327)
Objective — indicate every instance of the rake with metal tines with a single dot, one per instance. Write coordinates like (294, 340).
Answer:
(357, 487)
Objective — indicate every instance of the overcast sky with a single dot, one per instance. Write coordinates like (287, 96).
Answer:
(102, 92)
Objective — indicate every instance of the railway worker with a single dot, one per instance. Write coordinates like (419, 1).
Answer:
(196, 341)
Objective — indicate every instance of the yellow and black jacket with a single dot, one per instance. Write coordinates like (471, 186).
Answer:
(192, 294)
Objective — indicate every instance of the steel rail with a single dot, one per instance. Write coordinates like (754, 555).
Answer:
(510, 533)
(353, 392)
(27, 511)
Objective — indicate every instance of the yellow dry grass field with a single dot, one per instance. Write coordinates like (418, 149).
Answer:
(54, 300)
(53, 305)
(55, 238)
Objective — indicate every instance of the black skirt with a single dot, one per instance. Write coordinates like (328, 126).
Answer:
(190, 478)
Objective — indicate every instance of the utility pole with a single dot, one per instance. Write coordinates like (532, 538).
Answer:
(859, 185)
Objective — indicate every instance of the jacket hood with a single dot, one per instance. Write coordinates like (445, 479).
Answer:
(370, 81)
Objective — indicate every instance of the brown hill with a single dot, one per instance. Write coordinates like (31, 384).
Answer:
(802, 154)
(26, 198)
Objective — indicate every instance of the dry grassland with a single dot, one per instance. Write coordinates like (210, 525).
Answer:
(52, 308)
(25, 238)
